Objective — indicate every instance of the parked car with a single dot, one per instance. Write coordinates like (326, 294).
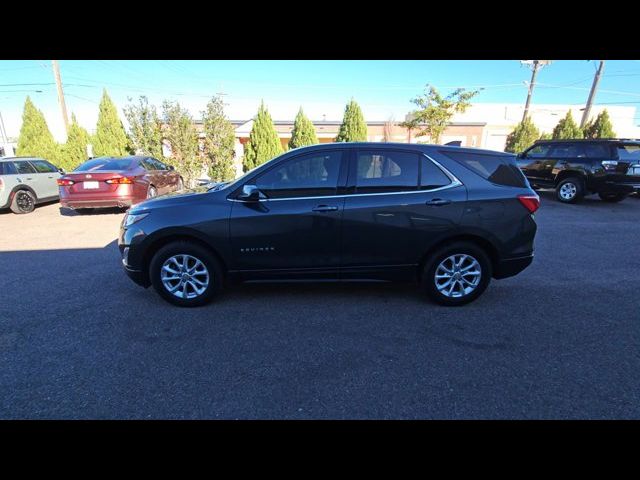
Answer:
(450, 217)
(576, 168)
(26, 182)
(117, 182)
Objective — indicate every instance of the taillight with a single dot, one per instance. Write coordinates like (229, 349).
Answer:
(64, 182)
(119, 180)
(530, 202)
(1, 184)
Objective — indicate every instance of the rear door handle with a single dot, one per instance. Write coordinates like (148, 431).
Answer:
(324, 208)
(437, 202)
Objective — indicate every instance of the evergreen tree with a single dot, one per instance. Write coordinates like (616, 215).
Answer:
(353, 128)
(35, 139)
(600, 128)
(144, 128)
(303, 133)
(75, 149)
(567, 128)
(523, 136)
(182, 137)
(110, 138)
(219, 142)
(263, 144)
(546, 136)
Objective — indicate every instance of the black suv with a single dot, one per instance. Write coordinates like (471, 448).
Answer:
(610, 168)
(450, 217)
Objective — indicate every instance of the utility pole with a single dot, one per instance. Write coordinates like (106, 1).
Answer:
(592, 94)
(63, 106)
(535, 65)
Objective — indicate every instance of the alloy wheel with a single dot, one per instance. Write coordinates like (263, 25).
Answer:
(184, 276)
(458, 275)
(24, 201)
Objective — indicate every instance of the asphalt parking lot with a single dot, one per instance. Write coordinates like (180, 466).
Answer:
(78, 339)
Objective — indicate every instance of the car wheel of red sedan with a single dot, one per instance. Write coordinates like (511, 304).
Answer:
(186, 274)
(152, 192)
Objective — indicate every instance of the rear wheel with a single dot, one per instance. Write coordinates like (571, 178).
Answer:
(185, 274)
(570, 190)
(457, 274)
(23, 202)
(612, 197)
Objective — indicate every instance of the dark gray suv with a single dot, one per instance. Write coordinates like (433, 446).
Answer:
(449, 217)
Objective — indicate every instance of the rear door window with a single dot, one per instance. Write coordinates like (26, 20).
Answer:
(598, 150)
(386, 171)
(24, 167)
(431, 176)
(498, 169)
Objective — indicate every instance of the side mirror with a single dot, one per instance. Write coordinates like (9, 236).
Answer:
(250, 193)
(61, 170)
(171, 167)
(521, 155)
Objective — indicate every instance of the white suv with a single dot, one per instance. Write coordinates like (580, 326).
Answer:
(27, 181)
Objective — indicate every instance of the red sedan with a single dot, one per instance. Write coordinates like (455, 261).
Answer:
(117, 182)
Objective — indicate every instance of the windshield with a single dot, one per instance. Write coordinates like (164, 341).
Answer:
(104, 164)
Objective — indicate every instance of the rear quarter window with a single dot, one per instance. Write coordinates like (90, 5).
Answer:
(498, 169)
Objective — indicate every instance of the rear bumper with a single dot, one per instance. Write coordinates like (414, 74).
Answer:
(103, 203)
(509, 267)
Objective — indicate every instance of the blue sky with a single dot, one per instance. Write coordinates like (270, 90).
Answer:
(382, 88)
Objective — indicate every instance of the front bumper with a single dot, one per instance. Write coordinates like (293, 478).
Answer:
(509, 267)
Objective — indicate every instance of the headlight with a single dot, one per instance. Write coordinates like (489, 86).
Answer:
(133, 218)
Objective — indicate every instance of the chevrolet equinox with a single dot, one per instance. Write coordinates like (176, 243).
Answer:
(448, 217)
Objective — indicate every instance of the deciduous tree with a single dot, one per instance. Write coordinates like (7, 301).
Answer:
(145, 128)
(182, 137)
(435, 111)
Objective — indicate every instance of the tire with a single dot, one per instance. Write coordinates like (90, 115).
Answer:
(570, 190)
(441, 260)
(180, 251)
(612, 197)
(23, 201)
(152, 192)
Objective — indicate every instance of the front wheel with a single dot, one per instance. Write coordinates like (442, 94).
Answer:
(457, 274)
(612, 197)
(185, 274)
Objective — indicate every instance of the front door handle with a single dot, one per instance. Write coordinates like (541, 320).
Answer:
(324, 208)
(437, 202)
